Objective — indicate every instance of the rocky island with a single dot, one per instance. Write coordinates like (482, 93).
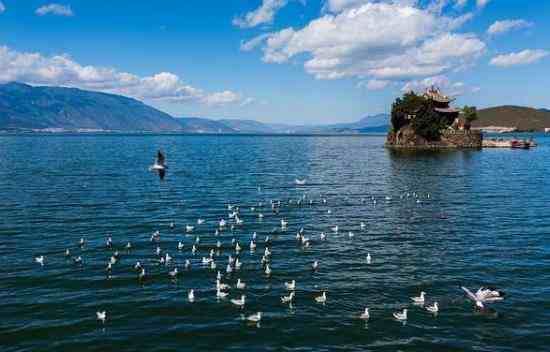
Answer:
(428, 121)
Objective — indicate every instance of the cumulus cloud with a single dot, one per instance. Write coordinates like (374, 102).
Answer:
(55, 9)
(263, 14)
(500, 27)
(36, 69)
(374, 84)
(376, 40)
(524, 57)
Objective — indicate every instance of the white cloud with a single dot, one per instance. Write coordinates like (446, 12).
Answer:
(2, 7)
(374, 84)
(524, 57)
(263, 14)
(482, 3)
(61, 70)
(500, 27)
(383, 40)
(55, 9)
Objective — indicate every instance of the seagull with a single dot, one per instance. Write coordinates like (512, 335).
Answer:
(365, 315)
(142, 274)
(284, 223)
(323, 236)
(433, 308)
(159, 166)
(252, 246)
(484, 295)
(420, 299)
(137, 266)
(267, 270)
(369, 259)
(200, 221)
(289, 298)
(322, 298)
(255, 318)
(77, 260)
(128, 246)
(239, 302)
(189, 228)
(290, 286)
(363, 225)
(335, 229)
(401, 316)
(67, 253)
(315, 265)
(300, 182)
(180, 246)
(101, 316)
(39, 260)
(240, 285)
(351, 234)
(191, 296)
(173, 273)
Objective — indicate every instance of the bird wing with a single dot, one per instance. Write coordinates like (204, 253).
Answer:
(470, 294)
(160, 158)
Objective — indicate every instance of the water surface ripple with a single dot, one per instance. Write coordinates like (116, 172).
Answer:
(486, 222)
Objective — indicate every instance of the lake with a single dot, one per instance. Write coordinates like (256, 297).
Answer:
(434, 221)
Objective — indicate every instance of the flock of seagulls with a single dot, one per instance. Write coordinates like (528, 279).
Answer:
(233, 263)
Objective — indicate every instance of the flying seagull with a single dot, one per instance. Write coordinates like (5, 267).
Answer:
(159, 166)
(484, 295)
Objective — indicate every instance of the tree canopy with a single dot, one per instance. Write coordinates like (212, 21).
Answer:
(426, 122)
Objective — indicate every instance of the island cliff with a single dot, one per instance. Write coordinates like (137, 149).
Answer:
(428, 121)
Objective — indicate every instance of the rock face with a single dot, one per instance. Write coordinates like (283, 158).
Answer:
(407, 138)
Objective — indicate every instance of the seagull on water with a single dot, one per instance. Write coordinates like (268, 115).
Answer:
(289, 298)
(101, 316)
(322, 298)
(255, 318)
(365, 315)
(369, 259)
(420, 299)
(39, 260)
(315, 265)
(160, 165)
(191, 296)
(434, 308)
(402, 316)
(239, 302)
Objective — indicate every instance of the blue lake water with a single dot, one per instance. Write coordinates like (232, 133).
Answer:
(486, 222)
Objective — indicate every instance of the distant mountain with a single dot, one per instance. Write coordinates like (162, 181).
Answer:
(249, 126)
(24, 106)
(524, 118)
(202, 125)
(57, 108)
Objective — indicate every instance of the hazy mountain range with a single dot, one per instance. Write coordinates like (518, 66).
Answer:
(57, 108)
(25, 107)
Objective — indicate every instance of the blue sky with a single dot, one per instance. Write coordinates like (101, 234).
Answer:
(288, 61)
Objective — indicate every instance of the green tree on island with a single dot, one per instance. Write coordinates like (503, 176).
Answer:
(419, 112)
(470, 113)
